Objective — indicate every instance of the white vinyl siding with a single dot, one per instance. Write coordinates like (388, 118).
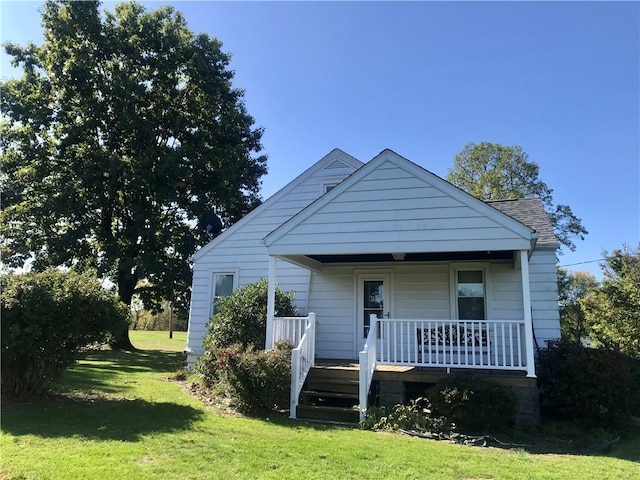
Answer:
(241, 249)
(390, 209)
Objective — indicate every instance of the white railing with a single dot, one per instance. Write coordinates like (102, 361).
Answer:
(478, 344)
(302, 357)
(368, 357)
(290, 329)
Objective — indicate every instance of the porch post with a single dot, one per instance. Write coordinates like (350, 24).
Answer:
(271, 302)
(528, 321)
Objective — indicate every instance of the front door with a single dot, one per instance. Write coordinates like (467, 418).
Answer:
(373, 297)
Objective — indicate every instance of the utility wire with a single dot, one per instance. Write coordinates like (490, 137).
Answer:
(582, 263)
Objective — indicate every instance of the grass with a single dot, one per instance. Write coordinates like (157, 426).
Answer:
(116, 415)
(148, 340)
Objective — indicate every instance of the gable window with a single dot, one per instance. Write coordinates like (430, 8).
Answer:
(222, 287)
(470, 294)
(327, 187)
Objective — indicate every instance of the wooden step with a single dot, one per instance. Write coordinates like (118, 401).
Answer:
(328, 414)
(333, 386)
(333, 373)
(330, 399)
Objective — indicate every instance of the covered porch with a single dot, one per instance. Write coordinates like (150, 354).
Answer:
(387, 343)
(406, 270)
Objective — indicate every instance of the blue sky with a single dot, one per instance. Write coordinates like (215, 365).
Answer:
(560, 79)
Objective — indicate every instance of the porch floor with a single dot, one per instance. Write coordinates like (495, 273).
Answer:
(428, 374)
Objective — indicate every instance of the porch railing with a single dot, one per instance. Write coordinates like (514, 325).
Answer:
(477, 344)
(368, 359)
(301, 332)
(290, 329)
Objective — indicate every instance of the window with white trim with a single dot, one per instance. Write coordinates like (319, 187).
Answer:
(471, 294)
(222, 287)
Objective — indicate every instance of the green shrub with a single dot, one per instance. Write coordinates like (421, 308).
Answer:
(416, 416)
(241, 320)
(47, 318)
(473, 403)
(594, 386)
(256, 380)
(241, 317)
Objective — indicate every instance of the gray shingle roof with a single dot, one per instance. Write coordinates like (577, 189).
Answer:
(529, 211)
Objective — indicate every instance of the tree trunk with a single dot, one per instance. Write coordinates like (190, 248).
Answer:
(126, 286)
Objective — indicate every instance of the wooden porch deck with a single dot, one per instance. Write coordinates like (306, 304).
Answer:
(428, 374)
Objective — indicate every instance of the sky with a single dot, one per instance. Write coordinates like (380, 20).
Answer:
(559, 79)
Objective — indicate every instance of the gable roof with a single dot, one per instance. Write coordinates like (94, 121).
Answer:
(531, 212)
(334, 160)
(393, 205)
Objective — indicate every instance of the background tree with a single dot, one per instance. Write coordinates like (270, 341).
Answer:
(491, 171)
(613, 310)
(122, 133)
(573, 287)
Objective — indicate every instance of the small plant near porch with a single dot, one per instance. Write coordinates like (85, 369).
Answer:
(468, 403)
(474, 403)
(256, 380)
(234, 363)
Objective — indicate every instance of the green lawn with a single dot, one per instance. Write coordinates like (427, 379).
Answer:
(147, 340)
(116, 415)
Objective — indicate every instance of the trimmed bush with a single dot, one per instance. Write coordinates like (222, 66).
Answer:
(594, 386)
(242, 316)
(256, 380)
(473, 403)
(241, 323)
(47, 318)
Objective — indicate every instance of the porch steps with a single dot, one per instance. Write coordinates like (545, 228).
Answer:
(330, 395)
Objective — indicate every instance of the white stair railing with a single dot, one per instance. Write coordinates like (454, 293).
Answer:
(368, 358)
(302, 359)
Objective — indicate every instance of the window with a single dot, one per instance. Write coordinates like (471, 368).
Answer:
(470, 294)
(222, 287)
(327, 187)
(373, 302)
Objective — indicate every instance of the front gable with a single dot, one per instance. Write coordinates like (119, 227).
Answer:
(391, 205)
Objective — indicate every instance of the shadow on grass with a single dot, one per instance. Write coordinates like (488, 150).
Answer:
(114, 371)
(95, 417)
(139, 360)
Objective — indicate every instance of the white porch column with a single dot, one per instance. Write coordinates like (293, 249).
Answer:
(271, 301)
(528, 321)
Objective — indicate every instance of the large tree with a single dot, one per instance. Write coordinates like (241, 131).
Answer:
(491, 171)
(122, 133)
(572, 288)
(613, 310)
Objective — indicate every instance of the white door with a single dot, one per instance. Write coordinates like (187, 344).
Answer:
(373, 297)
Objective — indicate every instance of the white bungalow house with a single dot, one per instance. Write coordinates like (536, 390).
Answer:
(398, 274)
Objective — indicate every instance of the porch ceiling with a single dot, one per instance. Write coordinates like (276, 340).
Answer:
(317, 261)
(414, 257)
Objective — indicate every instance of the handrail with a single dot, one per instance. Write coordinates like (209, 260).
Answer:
(302, 359)
(368, 358)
